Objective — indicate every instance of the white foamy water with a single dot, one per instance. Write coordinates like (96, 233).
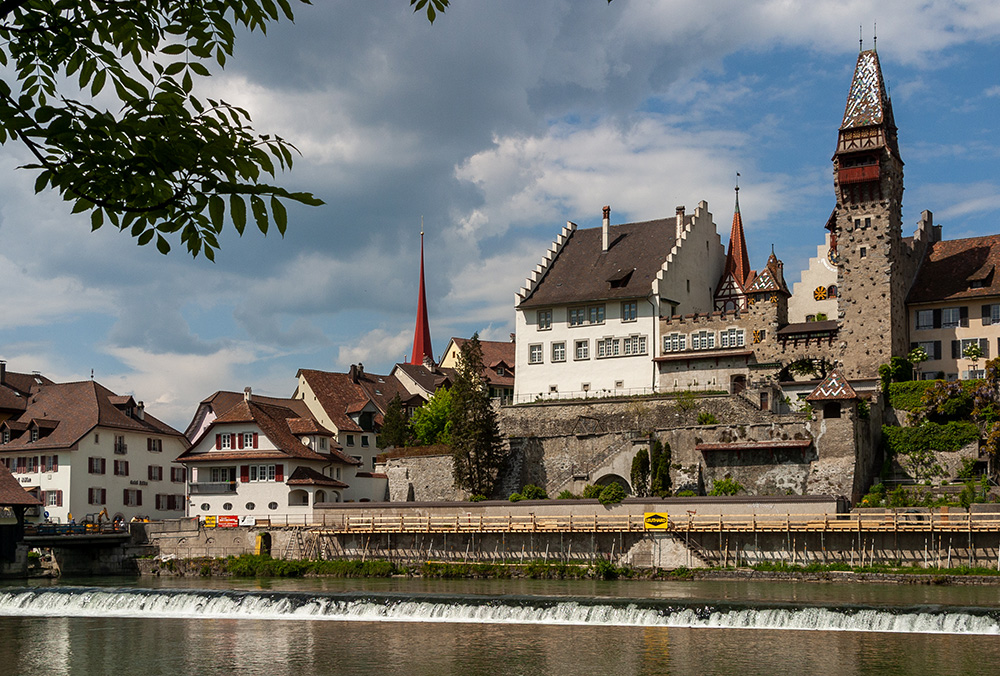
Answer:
(94, 602)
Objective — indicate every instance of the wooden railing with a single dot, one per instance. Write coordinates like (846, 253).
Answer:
(489, 524)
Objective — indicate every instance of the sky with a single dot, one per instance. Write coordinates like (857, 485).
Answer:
(493, 127)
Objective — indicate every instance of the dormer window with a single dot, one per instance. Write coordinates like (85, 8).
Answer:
(34, 434)
(5, 436)
(501, 371)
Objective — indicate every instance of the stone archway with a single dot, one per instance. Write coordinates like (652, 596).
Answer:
(739, 384)
(608, 479)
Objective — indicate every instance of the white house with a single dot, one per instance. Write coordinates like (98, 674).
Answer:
(588, 316)
(82, 449)
(265, 461)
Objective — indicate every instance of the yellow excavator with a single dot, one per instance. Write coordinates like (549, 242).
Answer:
(94, 521)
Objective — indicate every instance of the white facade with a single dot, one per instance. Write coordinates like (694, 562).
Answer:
(128, 473)
(816, 293)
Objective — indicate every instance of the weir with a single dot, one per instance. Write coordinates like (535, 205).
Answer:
(369, 607)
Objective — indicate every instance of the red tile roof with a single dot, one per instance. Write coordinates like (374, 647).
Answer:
(11, 492)
(70, 411)
(949, 267)
(305, 476)
(495, 353)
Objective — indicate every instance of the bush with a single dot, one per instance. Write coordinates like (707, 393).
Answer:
(612, 494)
(516, 497)
(590, 491)
(726, 486)
(533, 492)
(909, 396)
(706, 418)
(932, 436)
(477, 498)
(686, 494)
(567, 495)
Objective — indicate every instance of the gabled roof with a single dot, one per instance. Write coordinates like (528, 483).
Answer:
(340, 394)
(12, 493)
(275, 422)
(71, 410)
(581, 270)
(306, 476)
(950, 266)
(771, 278)
(24, 382)
(495, 353)
(428, 380)
(833, 388)
(219, 402)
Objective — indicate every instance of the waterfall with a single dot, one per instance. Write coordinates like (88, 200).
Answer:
(385, 607)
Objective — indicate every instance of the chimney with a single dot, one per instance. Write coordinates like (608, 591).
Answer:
(353, 373)
(247, 394)
(140, 411)
(605, 229)
(3, 371)
(680, 221)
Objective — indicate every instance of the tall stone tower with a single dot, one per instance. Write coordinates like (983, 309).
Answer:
(866, 240)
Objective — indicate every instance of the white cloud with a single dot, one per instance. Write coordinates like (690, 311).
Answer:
(374, 346)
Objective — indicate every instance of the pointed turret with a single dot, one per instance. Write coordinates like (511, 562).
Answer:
(738, 260)
(868, 104)
(422, 351)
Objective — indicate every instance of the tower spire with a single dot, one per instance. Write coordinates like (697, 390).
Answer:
(422, 331)
(738, 260)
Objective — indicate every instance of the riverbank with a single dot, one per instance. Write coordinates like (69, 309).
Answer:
(252, 566)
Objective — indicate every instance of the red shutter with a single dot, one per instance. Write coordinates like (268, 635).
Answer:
(279, 472)
(41, 496)
(138, 498)
(245, 473)
(218, 442)
(58, 498)
(125, 496)
(104, 465)
(104, 496)
(55, 463)
(149, 444)
(239, 440)
(255, 440)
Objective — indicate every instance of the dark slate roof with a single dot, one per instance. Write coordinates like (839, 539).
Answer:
(582, 272)
(306, 476)
(12, 493)
(950, 266)
(824, 326)
(430, 381)
(68, 411)
(24, 382)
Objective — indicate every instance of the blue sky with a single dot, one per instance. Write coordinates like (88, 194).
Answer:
(496, 125)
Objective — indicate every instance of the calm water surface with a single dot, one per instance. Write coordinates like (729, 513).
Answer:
(198, 645)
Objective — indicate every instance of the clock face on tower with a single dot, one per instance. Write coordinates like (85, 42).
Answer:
(833, 256)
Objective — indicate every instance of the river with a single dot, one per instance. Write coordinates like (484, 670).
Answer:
(434, 627)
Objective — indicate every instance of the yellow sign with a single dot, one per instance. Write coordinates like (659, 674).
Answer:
(209, 522)
(654, 520)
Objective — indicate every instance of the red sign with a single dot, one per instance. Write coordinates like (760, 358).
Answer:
(228, 521)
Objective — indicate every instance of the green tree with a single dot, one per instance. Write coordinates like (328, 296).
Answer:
(640, 472)
(659, 469)
(395, 430)
(431, 423)
(475, 435)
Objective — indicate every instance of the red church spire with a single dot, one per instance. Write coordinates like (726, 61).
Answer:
(738, 260)
(422, 331)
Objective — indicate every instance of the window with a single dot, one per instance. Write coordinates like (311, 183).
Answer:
(581, 349)
(831, 291)
(553, 389)
(591, 314)
(31, 464)
(703, 340)
(608, 347)
(96, 465)
(52, 498)
(154, 445)
(931, 347)
(675, 342)
(132, 497)
(634, 345)
(831, 409)
(272, 505)
(322, 443)
(227, 506)
(630, 311)
(177, 475)
(954, 316)
(925, 320)
(991, 314)
(50, 463)
(863, 252)
(225, 441)
(34, 434)
(558, 351)
(251, 506)
(121, 448)
(732, 338)
(169, 503)
(155, 473)
(262, 473)
(5, 436)
(544, 320)
(534, 354)
(350, 439)
(222, 474)
(365, 441)
(97, 496)
(121, 467)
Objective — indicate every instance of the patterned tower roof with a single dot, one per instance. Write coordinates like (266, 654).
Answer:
(422, 331)
(834, 388)
(867, 103)
(738, 260)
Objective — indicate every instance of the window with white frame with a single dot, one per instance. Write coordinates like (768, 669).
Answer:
(674, 342)
(630, 311)
(607, 347)
(544, 320)
(951, 317)
(559, 351)
(535, 354)
(581, 349)
(248, 440)
(226, 441)
(703, 340)
(634, 345)
(5, 436)
(925, 320)
(221, 474)
(262, 473)
(34, 434)
(591, 314)
(732, 338)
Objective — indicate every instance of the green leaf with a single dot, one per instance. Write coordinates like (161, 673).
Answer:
(174, 68)
(259, 213)
(174, 49)
(162, 245)
(98, 84)
(238, 210)
(146, 237)
(96, 219)
(216, 211)
(280, 215)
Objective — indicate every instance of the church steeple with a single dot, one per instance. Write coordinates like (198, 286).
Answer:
(422, 351)
(738, 260)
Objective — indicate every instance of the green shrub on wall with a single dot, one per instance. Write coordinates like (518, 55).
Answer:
(951, 436)
(908, 396)
(612, 494)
